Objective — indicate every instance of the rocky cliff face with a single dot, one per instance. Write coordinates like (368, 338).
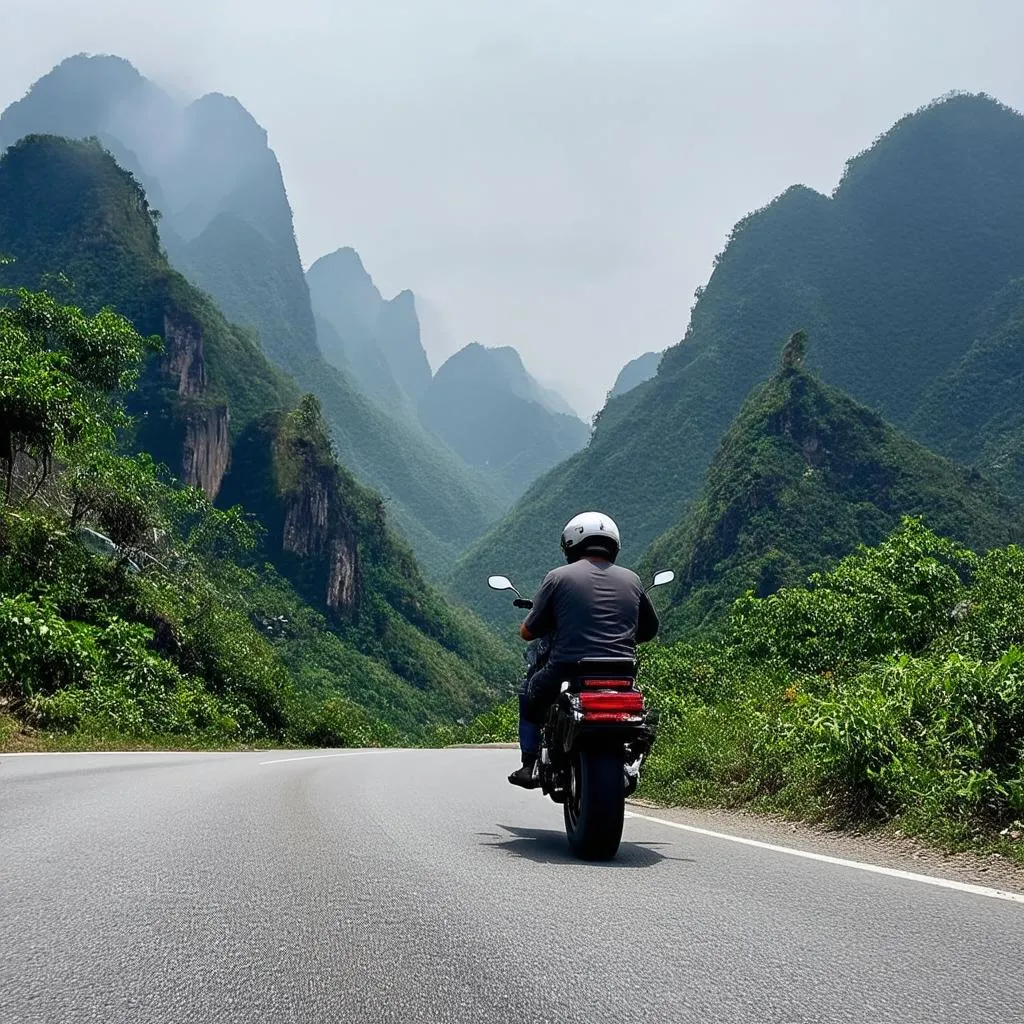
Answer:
(206, 451)
(206, 446)
(184, 355)
(316, 527)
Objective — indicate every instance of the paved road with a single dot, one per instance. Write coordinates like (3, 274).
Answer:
(419, 886)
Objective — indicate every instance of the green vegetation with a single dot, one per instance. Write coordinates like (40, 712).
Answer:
(888, 689)
(102, 644)
(164, 626)
(803, 476)
(974, 412)
(889, 276)
(212, 409)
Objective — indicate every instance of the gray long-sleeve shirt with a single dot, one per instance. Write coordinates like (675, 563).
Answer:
(592, 609)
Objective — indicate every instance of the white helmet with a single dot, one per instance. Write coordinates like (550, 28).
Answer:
(592, 527)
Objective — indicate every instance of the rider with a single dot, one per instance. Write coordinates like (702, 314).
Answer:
(588, 608)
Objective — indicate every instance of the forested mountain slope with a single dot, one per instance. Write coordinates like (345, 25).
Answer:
(975, 411)
(803, 476)
(889, 275)
(212, 408)
(484, 404)
(227, 226)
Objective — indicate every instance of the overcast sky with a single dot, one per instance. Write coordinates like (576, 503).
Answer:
(551, 174)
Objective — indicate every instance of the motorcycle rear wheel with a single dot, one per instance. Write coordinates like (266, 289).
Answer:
(595, 804)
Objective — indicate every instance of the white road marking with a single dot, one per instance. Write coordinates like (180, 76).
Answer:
(910, 876)
(312, 757)
(62, 753)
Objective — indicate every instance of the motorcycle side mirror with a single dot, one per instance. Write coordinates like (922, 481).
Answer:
(661, 578)
(499, 583)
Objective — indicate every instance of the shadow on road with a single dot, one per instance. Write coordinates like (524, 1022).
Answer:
(549, 846)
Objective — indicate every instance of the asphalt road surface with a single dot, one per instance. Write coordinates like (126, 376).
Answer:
(419, 886)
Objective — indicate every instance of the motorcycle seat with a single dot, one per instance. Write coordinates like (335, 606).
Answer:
(612, 668)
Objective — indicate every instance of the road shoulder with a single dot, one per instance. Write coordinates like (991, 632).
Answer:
(881, 848)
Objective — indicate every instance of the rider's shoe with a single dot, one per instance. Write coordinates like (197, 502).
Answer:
(524, 777)
(632, 777)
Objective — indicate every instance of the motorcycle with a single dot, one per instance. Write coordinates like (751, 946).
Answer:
(593, 743)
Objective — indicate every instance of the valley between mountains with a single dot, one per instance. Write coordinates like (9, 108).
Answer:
(242, 508)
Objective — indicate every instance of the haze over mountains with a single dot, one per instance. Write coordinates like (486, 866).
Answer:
(635, 372)
(226, 224)
(904, 280)
(485, 405)
(376, 340)
(907, 280)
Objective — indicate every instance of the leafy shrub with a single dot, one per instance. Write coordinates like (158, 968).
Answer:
(40, 652)
(891, 687)
(341, 723)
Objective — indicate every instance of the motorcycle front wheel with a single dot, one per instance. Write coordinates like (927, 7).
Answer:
(595, 804)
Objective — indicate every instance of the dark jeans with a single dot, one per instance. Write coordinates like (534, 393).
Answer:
(536, 696)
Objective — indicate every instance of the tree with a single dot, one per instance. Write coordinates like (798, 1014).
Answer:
(59, 371)
(795, 351)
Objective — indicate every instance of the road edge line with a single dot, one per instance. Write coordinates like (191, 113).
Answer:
(878, 869)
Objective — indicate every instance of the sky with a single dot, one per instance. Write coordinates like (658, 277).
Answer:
(556, 175)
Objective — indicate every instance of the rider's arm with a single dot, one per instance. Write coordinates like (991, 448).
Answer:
(541, 619)
(647, 624)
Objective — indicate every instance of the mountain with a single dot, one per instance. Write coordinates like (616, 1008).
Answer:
(550, 398)
(227, 225)
(974, 411)
(889, 275)
(379, 338)
(803, 476)
(635, 372)
(225, 214)
(222, 418)
(484, 404)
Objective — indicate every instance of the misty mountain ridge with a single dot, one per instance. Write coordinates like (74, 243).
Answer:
(635, 373)
(485, 405)
(482, 402)
(209, 167)
(227, 226)
(376, 339)
(891, 276)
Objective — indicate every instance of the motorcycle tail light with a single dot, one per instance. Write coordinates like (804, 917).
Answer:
(610, 684)
(630, 702)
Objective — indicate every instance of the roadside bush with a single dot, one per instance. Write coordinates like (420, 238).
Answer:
(939, 738)
(499, 725)
(40, 652)
(341, 723)
(891, 687)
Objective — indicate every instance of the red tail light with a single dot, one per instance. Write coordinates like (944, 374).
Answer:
(610, 684)
(598, 706)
